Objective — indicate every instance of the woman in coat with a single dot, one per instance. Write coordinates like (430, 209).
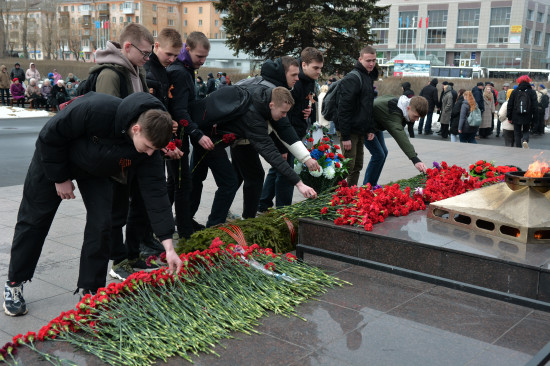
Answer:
(446, 110)
(4, 85)
(18, 92)
(466, 132)
(33, 93)
(507, 127)
(455, 116)
(488, 112)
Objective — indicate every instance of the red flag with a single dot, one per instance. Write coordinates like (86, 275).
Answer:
(427, 21)
(106, 24)
(420, 23)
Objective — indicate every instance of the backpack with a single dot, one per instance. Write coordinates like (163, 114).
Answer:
(223, 105)
(522, 103)
(89, 84)
(255, 81)
(329, 108)
(474, 119)
(544, 101)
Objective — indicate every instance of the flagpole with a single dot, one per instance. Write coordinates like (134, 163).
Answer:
(426, 42)
(398, 34)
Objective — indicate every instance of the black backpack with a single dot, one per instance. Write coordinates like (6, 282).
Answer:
(89, 84)
(223, 105)
(329, 108)
(522, 104)
(544, 101)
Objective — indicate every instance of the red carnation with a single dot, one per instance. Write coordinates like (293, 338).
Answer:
(184, 122)
(171, 146)
(479, 169)
(321, 148)
(337, 165)
(324, 211)
(178, 143)
(228, 138)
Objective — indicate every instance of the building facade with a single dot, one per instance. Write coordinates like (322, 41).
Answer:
(488, 33)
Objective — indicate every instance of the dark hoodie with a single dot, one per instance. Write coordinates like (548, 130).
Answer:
(430, 93)
(513, 115)
(300, 92)
(157, 79)
(274, 72)
(90, 138)
(181, 75)
(355, 112)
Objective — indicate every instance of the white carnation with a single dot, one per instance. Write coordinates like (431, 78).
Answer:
(298, 167)
(316, 173)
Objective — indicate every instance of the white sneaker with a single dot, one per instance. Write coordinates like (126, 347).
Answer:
(525, 144)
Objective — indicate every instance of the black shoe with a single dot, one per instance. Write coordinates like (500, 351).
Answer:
(197, 226)
(497, 135)
(150, 245)
(121, 271)
(428, 133)
(420, 132)
(139, 264)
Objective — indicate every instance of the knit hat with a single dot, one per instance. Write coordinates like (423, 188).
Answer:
(451, 84)
(445, 83)
(406, 85)
(50, 75)
(15, 79)
(210, 75)
(434, 81)
(480, 83)
(542, 86)
(17, 64)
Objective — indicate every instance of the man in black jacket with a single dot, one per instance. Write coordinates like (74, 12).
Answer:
(96, 137)
(187, 186)
(430, 93)
(275, 185)
(17, 72)
(522, 110)
(210, 84)
(355, 111)
(477, 92)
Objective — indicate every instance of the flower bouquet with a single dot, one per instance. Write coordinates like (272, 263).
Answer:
(334, 166)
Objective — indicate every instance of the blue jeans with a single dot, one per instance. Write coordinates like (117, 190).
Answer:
(468, 137)
(379, 152)
(278, 187)
(428, 127)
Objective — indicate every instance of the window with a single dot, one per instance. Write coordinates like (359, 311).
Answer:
(215, 35)
(200, 9)
(185, 35)
(154, 20)
(65, 8)
(184, 10)
(527, 38)
(437, 31)
(538, 39)
(200, 22)
(407, 27)
(114, 20)
(499, 26)
(72, 7)
(136, 6)
(155, 33)
(468, 23)
(539, 17)
(530, 14)
(154, 7)
(137, 19)
(217, 23)
(121, 20)
(128, 18)
(121, 5)
(380, 30)
(171, 22)
(74, 32)
(170, 9)
(185, 23)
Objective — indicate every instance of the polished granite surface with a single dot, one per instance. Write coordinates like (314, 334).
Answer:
(382, 319)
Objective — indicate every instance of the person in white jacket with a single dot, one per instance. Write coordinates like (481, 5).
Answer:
(507, 127)
(32, 72)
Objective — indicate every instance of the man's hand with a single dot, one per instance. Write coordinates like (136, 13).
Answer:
(172, 258)
(174, 126)
(312, 164)
(65, 190)
(174, 155)
(421, 167)
(306, 191)
(307, 112)
(370, 136)
(346, 144)
(206, 143)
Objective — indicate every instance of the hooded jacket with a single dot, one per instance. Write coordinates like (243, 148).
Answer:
(210, 84)
(304, 87)
(181, 76)
(4, 78)
(274, 72)
(29, 74)
(17, 73)
(108, 81)
(90, 138)
(529, 117)
(478, 96)
(355, 112)
(157, 79)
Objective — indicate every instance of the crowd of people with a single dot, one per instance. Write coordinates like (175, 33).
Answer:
(141, 144)
(515, 112)
(19, 87)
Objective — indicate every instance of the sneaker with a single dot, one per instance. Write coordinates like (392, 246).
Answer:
(197, 226)
(14, 303)
(525, 144)
(139, 264)
(233, 216)
(122, 270)
(150, 245)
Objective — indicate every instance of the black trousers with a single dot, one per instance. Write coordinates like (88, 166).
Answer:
(179, 191)
(36, 213)
(224, 176)
(250, 173)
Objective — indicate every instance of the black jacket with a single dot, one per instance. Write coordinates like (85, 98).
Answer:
(455, 115)
(430, 93)
(90, 138)
(529, 117)
(210, 85)
(304, 87)
(355, 112)
(253, 125)
(17, 73)
(157, 79)
(274, 72)
(182, 78)
(478, 96)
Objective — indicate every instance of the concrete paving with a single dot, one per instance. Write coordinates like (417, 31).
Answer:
(51, 290)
